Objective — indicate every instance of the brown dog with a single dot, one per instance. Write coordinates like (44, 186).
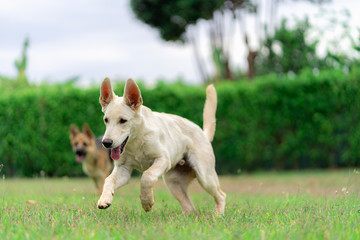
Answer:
(95, 160)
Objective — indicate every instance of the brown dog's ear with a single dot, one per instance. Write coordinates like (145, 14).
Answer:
(132, 95)
(87, 131)
(73, 131)
(106, 93)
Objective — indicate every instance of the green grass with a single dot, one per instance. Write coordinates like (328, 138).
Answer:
(295, 205)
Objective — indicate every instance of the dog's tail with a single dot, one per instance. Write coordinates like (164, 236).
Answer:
(209, 112)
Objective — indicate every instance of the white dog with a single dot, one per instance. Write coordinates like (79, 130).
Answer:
(158, 144)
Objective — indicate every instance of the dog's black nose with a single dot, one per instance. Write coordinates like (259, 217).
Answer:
(107, 142)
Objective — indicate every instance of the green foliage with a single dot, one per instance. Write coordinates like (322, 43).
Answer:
(171, 18)
(294, 49)
(21, 64)
(20, 81)
(356, 46)
(288, 50)
(339, 53)
(307, 121)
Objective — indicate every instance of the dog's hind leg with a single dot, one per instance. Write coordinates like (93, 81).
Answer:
(208, 179)
(210, 182)
(177, 181)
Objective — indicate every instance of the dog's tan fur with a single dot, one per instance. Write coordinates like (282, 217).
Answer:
(96, 163)
(158, 144)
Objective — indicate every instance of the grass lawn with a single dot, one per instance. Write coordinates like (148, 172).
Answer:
(289, 205)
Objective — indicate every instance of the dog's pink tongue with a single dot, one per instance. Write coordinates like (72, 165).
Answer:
(79, 158)
(115, 153)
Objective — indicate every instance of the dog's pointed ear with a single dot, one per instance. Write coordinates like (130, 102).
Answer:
(106, 93)
(73, 131)
(132, 94)
(86, 130)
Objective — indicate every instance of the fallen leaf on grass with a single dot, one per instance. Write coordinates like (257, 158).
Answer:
(31, 202)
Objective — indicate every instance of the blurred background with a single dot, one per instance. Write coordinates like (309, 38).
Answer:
(287, 74)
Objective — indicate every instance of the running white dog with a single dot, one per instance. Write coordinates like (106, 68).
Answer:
(158, 144)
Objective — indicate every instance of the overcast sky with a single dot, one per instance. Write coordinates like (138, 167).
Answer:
(93, 39)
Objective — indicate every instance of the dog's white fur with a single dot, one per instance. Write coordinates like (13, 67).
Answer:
(159, 144)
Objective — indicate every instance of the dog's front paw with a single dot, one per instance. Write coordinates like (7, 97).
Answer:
(105, 200)
(147, 202)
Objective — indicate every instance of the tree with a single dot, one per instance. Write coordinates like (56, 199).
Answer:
(21, 79)
(292, 49)
(21, 64)
(173, 18)
(356, 44)
(176, 20)
(288, 50)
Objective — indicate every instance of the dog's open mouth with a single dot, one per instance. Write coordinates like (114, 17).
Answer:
(80, 155)
(116, 152)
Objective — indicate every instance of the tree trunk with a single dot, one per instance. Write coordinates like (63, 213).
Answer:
(200, 64)
(251, 63)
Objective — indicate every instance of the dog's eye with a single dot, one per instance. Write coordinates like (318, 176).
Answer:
(76, 143)
(106, 120)
(85, 144)
(123, 120)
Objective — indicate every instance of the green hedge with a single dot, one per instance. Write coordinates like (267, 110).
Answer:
(273, 123)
